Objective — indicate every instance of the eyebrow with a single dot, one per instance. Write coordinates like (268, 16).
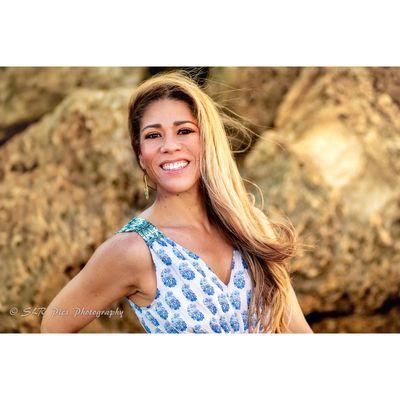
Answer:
(176, 123)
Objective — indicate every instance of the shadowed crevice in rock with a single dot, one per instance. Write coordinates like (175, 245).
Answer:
(316, 316)
(390, 306)
(390, 303)
(15, 129)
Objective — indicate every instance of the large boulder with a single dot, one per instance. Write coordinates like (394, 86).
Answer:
(67, 183)
(332, 166)
(28, 93)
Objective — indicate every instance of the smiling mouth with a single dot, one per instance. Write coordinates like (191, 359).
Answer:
(177, 166)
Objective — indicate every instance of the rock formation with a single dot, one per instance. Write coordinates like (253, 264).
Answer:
(28, 93)
(331, 165)
(67, 183)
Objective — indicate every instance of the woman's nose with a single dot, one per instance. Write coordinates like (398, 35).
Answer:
(170, 143)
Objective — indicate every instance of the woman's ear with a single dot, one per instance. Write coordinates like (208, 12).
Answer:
(141, 162)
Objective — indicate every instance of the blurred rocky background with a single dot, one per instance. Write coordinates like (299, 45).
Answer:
(325, 153)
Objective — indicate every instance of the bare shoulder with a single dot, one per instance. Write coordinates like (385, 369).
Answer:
(126, 249)
(127, 253)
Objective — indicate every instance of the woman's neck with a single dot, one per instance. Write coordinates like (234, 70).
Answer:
(185, 209)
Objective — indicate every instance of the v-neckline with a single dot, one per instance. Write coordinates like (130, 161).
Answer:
(232, 263)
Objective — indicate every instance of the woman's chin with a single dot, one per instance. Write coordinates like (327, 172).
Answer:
(177, 189)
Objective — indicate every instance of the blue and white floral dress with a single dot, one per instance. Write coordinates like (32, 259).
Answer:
(190, 298)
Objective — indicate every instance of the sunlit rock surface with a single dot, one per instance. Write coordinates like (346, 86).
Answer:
(332, 165)
(28, 93)
(67, 183)
(254, 93)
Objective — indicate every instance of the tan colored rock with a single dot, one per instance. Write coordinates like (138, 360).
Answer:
(388, 322)
(332, 166)
(27, 93)
(254, 93)
(67, 183)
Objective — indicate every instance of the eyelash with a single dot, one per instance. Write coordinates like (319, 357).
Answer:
(156, 133)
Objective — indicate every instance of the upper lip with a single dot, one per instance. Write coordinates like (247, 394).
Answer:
(173, 161)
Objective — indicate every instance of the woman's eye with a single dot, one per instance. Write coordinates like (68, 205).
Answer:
(185, 130)
(150, 135)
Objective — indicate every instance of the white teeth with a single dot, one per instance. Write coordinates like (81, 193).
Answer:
(177, 165)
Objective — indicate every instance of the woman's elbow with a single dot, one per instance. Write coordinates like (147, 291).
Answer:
(46, 327)
(52, 324)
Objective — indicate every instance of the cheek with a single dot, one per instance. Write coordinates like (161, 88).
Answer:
(196, 147)
(148, 154)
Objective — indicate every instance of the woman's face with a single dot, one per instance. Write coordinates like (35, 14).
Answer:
(170, 146)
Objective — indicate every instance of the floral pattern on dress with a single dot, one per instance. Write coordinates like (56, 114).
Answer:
(190, 298)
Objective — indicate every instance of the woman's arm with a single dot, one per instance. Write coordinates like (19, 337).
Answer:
(297, 322)
(109, 275)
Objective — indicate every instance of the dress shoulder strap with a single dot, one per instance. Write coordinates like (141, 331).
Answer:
(147, 231)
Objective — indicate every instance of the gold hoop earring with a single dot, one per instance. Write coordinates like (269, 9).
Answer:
(146, 187)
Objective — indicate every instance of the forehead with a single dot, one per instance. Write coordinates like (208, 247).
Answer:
(166, 110)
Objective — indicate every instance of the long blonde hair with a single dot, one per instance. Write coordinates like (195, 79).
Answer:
(266, 246)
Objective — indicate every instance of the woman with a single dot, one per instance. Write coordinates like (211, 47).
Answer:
(202, 258)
